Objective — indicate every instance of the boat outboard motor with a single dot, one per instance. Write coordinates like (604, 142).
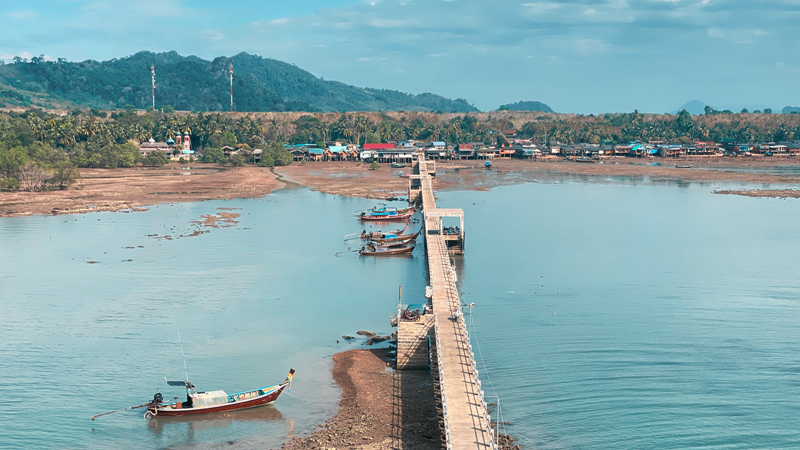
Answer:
(158, 398)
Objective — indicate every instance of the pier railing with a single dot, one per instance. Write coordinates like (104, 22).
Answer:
(466, 417)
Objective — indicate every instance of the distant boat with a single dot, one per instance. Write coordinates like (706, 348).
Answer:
(398, 165)
(683, 166)
(584, 160)
(488, 164)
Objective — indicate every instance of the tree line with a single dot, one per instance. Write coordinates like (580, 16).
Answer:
(42, 150)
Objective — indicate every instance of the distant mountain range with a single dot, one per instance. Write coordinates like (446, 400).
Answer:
(526, 106)
(194, 84)
(696, 107)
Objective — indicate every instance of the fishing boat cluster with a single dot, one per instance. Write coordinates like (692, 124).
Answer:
(384, 243)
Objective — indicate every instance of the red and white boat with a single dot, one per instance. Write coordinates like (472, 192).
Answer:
(209, 402)
(215, 401)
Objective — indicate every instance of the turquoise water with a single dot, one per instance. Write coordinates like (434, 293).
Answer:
(250, 301)
(678, 316)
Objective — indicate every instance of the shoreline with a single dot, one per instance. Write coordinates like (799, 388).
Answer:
(132, 188)
(136, 188)
(380, 408)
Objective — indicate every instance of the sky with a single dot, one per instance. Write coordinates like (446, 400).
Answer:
(579, 56)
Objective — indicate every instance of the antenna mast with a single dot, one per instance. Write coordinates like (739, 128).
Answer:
(184, 358)
(231, 71)
(153, 73)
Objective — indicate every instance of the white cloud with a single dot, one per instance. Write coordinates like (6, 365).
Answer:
(715, 33)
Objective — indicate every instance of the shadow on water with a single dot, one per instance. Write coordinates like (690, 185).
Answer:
(190, 424)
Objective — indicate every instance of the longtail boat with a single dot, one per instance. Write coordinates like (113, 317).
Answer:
(395, 244)
(216, 401)
(374, 250)
(387, 216)
(395, 239)
(381, 234)
(207, 402)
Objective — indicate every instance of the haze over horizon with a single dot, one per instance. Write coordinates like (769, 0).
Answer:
(575, 56)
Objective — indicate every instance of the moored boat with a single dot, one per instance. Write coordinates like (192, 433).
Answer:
(374, 250)
(209, 402)
(398, 165)
(584, 160)
(216, 401)
(391, 238)
(393, 244)
(390, 215)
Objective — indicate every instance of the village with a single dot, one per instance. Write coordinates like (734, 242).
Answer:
(509, 146)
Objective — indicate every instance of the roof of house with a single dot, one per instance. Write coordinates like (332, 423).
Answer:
(438, 143)
(337, 148)
(315, 151)
(377, 146)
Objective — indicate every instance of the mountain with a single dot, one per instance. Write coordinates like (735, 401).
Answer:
(192, 83)
(791, 109)
(527, 106)
(694, 107)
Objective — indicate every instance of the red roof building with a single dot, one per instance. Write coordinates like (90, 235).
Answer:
(378, 146)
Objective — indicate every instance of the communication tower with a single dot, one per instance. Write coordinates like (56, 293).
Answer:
(153, 74)
(231, 72)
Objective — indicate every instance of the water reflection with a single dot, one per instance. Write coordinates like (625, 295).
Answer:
(190, 424)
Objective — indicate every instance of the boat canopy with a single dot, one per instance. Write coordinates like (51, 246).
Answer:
(209, 398)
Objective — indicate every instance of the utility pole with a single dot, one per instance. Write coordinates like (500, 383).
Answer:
(231, 72)
(153, 73)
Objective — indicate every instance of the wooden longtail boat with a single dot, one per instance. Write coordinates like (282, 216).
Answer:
(394, 239)
(216, 401)
(208, 402)
(407, 241)
(584, 160)
(387, 216)
(373, 250)
(381, 234)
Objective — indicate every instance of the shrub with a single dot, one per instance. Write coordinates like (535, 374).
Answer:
(374, 166)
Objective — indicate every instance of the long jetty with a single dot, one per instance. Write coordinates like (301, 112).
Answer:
(465, 415)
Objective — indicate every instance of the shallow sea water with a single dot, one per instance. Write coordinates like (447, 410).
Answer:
(677, 315)
(250, 301)
(620, 316)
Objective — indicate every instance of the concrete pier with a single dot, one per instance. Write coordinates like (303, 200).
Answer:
(467, 424)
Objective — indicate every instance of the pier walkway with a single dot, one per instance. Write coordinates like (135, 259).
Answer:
(467, 424)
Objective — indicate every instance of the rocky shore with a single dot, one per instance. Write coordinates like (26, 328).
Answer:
(380, 408)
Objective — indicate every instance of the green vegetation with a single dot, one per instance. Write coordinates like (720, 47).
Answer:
(40, 150)
(193, 84)
(374, 166)
(526, 106)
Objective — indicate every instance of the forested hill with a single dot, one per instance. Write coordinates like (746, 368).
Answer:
(192, 84)
(526, 106)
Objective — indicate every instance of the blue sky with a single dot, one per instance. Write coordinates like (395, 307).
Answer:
(584, 56)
